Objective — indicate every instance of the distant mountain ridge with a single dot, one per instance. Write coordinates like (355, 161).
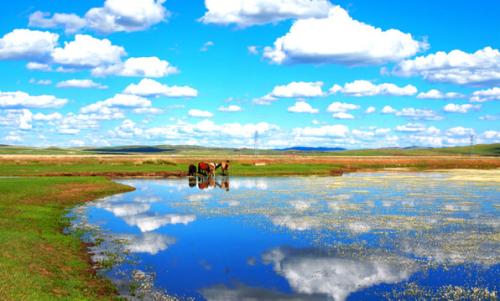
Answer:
(312, 149)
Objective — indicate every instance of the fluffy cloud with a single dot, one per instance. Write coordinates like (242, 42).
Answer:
(411, 127)
(126, 15)
(138, 67)
(47, 117)
(464, 108)
(343, 115)
(490, 117)
(21, 99)
(298, 89)
(255, 12)
(200, 113)
(436, 94)
(116, 102)
(38, 66)
(339, 110)
(86, 52)
(366, 88)
(323, 131)
(459, 131)
(486, 95)
(18, 118)
(207, 46)
(80, 83)
(149, 87)
(43, 82)
(114, 16)
(230, 108)
(494, 136)
(388, 110)
(458, 67)
(342, 40)
(412, 113)
(302, 107)
(206, 132)
(418, 114)
(27, 44)
(370, 110)
(70, 22)
(292, 90)
(338, 107)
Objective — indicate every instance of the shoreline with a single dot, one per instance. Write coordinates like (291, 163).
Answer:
(39, 261)
(58, 196)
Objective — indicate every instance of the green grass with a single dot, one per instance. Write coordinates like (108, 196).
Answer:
(94, 167)
(478, 150)
(90, 166)
(37, 261)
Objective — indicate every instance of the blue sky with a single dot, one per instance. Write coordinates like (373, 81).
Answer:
(353, 74)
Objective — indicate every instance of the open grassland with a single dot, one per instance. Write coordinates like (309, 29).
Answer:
(476, 150)
(165, 166)
(38, 261)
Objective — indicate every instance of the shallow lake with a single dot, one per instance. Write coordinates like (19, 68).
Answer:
(362, 236)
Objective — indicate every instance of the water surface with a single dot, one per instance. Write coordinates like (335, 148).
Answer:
(356, 237)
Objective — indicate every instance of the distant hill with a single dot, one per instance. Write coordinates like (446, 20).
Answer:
(312, 149)
(131, 149)
(477, 150)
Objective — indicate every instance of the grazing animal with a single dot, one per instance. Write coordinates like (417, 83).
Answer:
(192, 170)
(224, 166)
(207, 169)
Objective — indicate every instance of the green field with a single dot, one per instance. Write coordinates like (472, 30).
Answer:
(165, 168)
(478, 150)
(38, 261)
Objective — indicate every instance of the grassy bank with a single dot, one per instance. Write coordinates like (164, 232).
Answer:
(164, 166)
(37, 261)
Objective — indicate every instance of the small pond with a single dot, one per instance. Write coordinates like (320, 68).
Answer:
(362, 236)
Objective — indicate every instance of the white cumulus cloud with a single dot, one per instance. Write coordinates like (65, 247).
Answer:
(246, 13)
(138, 67)
(340, 39)
(366, 88)
(21, 99)
(70, 22)
(436, 94)
(80, 83)
(302, 107)
(457, 108)
(457, 67)
(27, 44)
(486, 95)
(149, 87)
(200, 113)
(86, 51)
(116, 102)
(230, 108)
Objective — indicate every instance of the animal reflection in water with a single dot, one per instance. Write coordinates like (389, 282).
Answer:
(203, 175)
(209, 168)
(209, 182)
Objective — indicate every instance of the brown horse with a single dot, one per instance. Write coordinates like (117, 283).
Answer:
(192, 170)
(224, 166)
(207, 169)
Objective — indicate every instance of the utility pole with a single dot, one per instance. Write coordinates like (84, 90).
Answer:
(471, 144)
(255, 141)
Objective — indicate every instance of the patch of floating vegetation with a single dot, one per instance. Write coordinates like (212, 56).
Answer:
(414, 291)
